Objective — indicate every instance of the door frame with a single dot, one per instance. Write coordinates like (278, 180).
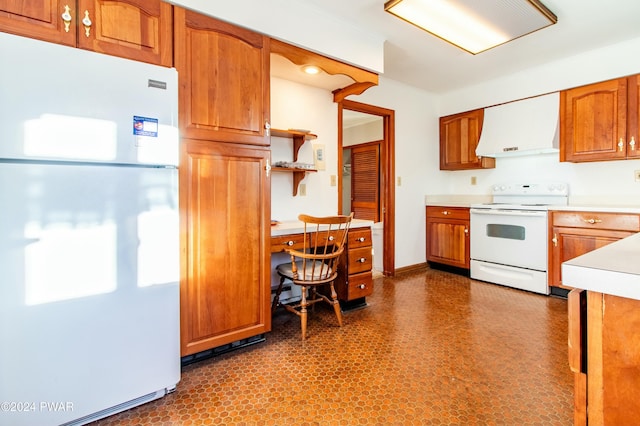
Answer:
(387, 178)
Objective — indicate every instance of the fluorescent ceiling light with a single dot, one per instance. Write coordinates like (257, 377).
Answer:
(472, 25)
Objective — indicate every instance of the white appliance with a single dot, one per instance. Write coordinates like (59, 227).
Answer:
(89, 234)
(508, 240)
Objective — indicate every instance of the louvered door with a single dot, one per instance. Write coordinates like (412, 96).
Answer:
(365, 181)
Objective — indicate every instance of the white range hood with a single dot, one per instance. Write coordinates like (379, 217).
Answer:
(528, 126)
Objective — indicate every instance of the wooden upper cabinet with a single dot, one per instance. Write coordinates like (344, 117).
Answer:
(224, 80)
(39, 19)
(135, 29)
(459, 137)
(633, 119)
(599, 121)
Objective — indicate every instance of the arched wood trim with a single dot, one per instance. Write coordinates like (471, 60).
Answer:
(362, 78)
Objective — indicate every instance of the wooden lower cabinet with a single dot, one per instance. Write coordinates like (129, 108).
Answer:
(225, 236)
(355, 279)
(448, 236)
(574, 233)
(604, 354)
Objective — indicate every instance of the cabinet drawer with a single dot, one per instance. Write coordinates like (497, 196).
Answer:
(287, 241)
(360, 260)
(448, 212)
(359, 238)
(359, 285)
(613, 221)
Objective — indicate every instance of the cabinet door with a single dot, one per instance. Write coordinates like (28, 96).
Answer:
(447, 242)
(135, 29)
(633, 135)
(613, 360)
(568, 243)
(459, 137)
(593, 122)
(39, 19)
(225, 235)
(224, 80)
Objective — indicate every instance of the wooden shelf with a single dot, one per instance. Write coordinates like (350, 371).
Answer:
(299, 138)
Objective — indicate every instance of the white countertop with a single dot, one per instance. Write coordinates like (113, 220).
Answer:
(613, 269)
(603, 204)
(297, 227)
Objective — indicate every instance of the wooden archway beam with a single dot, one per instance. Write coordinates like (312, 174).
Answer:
(362, 78)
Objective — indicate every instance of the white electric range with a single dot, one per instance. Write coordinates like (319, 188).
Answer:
(509, 236)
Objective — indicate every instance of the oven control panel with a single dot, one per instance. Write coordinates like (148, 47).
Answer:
(531, 189)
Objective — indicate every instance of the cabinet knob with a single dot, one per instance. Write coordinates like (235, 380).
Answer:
(362, 260)
(331, 238)
(86, 21)
(466, 231)
(66, 18)
(592, 221)
(445, 212)
(361, 239)
(289, 243)
(362, 286)
(632, 143)
(620, 144)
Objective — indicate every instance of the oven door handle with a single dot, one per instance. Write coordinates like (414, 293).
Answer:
(494, 212)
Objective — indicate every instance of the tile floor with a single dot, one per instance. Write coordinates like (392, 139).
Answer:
(431, 348)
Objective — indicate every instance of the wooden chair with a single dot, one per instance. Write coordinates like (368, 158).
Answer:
(316, 265)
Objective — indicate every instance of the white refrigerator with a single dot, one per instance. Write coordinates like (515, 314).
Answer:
(89, 233)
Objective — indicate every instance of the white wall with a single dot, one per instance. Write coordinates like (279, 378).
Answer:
(416, 161)
(608, 181)
(299, 106)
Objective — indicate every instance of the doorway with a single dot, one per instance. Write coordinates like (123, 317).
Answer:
(380, 145)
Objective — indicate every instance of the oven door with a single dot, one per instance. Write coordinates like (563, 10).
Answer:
(509, 237)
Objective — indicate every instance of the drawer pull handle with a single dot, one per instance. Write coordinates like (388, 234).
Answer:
(288, 243)
(445, 212)
(592, 221)
(362, 260)
(361, 239)
(362, 286)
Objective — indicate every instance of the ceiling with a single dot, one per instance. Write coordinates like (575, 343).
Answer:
(417, 58)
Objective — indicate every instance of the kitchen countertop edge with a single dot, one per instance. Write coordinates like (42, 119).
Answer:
(608, 270)
(297, 227)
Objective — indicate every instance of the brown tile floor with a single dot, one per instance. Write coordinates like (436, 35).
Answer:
(432, 348)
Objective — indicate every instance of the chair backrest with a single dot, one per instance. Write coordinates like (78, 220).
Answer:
(324, 242)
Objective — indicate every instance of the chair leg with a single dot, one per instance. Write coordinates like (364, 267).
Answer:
(336, 305)
(276, 298)
(303, 313)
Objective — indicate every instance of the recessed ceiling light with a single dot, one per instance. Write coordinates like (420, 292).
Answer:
(311, 69)
(474, 26)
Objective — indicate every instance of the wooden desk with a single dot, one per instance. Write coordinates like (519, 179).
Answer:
(354, 280)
